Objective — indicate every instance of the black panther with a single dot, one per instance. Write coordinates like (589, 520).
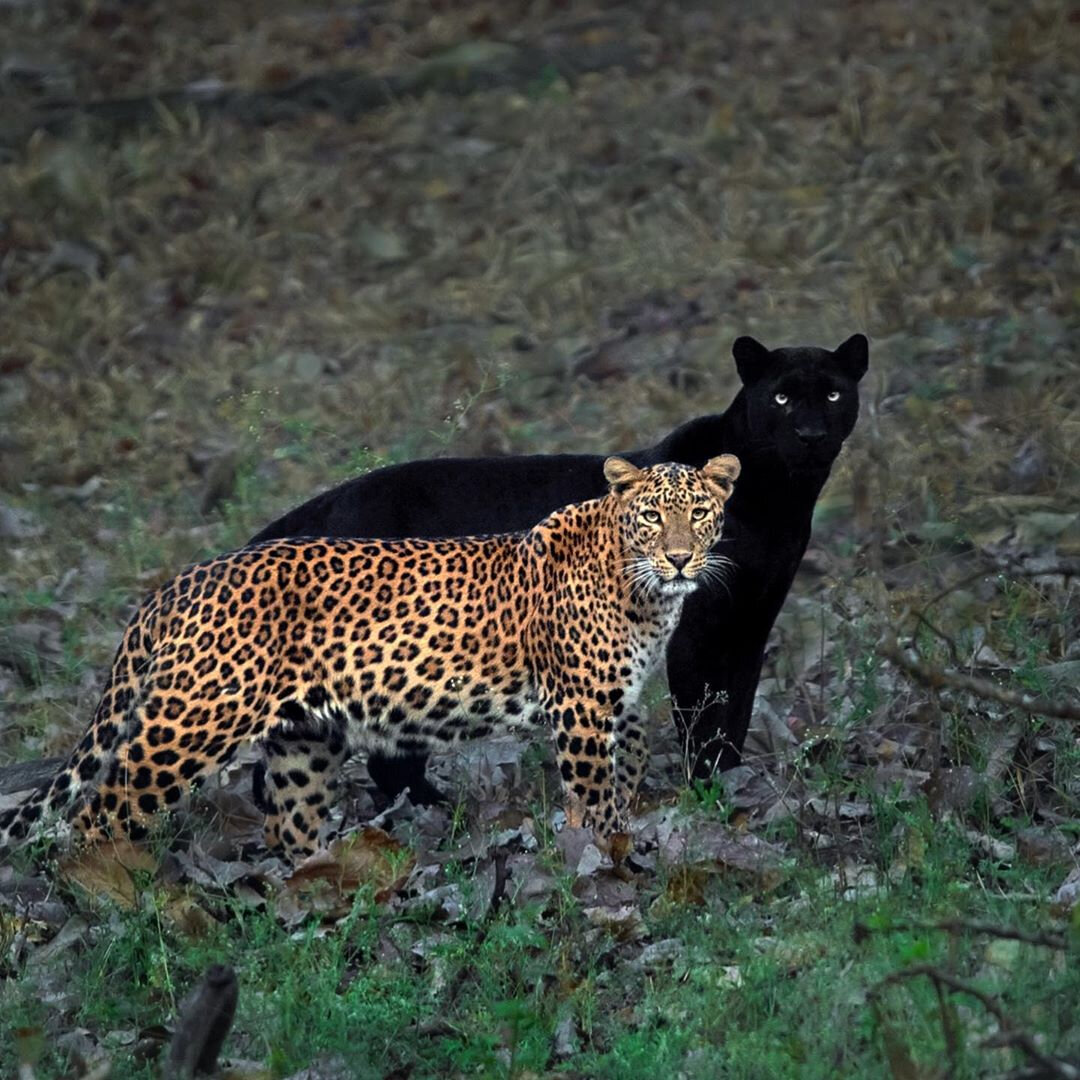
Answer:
(786, 425)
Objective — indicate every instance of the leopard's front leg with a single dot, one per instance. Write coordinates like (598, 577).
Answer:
(631, 751)
(584, 748)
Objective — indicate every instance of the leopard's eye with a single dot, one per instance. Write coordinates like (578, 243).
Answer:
(651, 516)
(781, 399)
(699, 513)
(833, 395)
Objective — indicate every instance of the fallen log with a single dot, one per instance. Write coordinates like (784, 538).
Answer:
(28, 774)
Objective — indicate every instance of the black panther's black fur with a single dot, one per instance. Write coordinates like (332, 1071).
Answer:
(785, 431)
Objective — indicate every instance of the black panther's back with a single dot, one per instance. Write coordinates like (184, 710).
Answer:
(471, 496)
(447, 497)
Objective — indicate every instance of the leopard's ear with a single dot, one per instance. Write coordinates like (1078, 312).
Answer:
(621, 475)
(853, 357)
(752, 359)
(722, 472)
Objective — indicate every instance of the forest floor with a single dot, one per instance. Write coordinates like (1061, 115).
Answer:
(209, 313)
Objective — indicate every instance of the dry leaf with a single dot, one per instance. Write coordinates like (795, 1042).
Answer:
(623, 922)
(110, 870)
(327, 881)
(190, 918)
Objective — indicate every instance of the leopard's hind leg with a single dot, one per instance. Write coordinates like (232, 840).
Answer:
(171, 736)
(58, 801)
(152, 770)
(303, 759)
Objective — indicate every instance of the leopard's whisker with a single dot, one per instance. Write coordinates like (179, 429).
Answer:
(717, 571)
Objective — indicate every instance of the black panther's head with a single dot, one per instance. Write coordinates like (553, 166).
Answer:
(802, 402)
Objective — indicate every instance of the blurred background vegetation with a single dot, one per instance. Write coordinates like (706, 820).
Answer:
(247, 251)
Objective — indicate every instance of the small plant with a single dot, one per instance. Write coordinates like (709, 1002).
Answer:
(709, 794)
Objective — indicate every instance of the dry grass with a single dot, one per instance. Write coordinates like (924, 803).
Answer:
(208, 317)
(207, 322)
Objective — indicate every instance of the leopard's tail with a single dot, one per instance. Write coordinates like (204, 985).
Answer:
(49, 800)
(47, 810)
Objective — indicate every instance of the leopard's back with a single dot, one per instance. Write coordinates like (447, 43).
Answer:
(310, 647)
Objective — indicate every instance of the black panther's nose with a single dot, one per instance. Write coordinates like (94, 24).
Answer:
(678, 559)
(810, 436)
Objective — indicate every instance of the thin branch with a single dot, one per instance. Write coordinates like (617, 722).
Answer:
(948, 1027)
(1054, 1067)
(938, 679)
(935, 974)
(963, 926)
(940, 634)
(1009, 933)
(959, 583)
(934, 678)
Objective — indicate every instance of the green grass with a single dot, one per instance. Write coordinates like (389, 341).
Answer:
(762, 983)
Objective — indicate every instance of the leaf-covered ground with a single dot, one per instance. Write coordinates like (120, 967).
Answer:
(204, 320)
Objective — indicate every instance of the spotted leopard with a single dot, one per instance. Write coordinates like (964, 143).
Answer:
(315, 648)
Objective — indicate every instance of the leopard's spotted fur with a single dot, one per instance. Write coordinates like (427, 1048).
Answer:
(314, 648)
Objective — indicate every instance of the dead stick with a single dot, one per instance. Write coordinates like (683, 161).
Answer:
(1020, 1039)
(938, 678)
(963, 926)
(957, 926)
(933, 677)
(205, 1018)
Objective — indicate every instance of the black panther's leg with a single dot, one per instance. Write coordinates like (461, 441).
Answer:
(713, 672)
(393, 775)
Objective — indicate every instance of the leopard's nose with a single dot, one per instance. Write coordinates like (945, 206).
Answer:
(678, 559)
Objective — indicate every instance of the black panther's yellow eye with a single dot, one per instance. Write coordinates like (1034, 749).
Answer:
(651, 516)
(699, 513)
(781, 399)
(833, 395)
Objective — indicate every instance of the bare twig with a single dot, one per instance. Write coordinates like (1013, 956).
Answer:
(921, 618)
(205, 1018)
(1054, 1067)
(938, 679)
(948, 1027)
(963, 926)
(1009, 933)
(935, 678)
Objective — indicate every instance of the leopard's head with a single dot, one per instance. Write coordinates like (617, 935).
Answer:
(669, 517)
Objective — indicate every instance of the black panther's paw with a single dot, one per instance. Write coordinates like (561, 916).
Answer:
(258, 788)
(393, 775)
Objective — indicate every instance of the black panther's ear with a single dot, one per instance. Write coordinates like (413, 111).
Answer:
(853, 356)
(751, 359)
